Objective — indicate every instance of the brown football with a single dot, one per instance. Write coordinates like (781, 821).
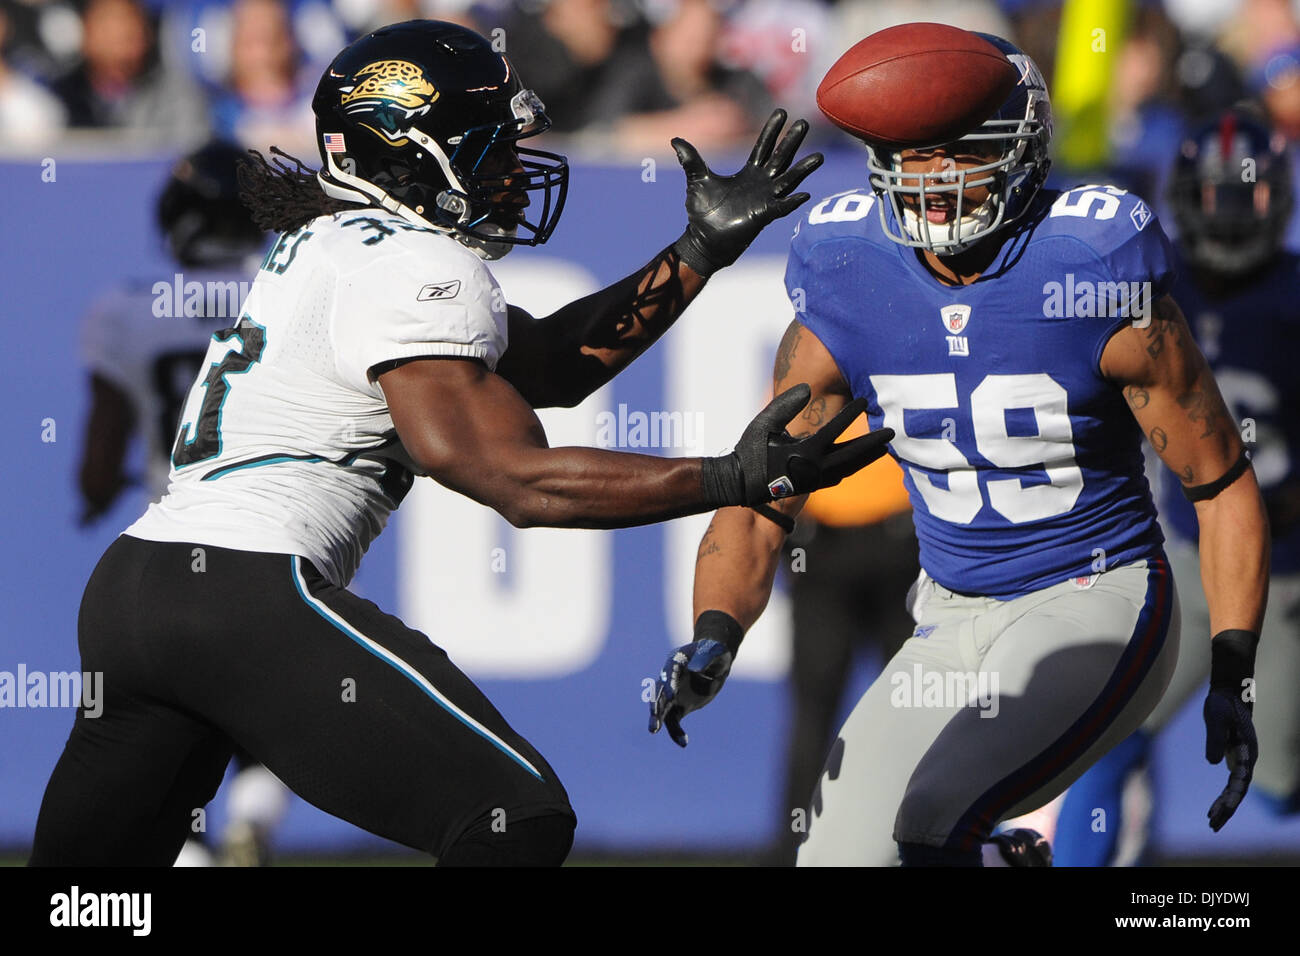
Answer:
(916, 84)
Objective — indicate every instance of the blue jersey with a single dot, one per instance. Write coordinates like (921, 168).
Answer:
(1251, 338)
(1024, 464)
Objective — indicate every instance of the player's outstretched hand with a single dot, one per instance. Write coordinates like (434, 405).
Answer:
(1229, 728)
(726, 213)
(769, 463)
(1230, 732)
(694, 673)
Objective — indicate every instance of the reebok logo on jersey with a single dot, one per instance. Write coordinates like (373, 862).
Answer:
(439, 290)
(1140, 215)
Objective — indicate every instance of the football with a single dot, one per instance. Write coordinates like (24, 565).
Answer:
(916, 84)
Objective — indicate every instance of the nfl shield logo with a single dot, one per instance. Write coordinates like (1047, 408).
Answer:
(955, 318)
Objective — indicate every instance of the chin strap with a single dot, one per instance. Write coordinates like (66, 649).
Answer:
(974, 221)
(482, 246)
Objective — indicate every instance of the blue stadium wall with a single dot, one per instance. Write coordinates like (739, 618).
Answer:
(562, 629)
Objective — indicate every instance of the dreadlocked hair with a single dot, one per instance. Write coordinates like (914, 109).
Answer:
(283, 197)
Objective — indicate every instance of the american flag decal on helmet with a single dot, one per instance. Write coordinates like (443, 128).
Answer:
(334, 143)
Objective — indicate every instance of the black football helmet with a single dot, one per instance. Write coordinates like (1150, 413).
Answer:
(423, 118)
(199, 212)
(1231, 194)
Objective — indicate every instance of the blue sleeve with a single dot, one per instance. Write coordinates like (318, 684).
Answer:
(816, 295)
(1143, 254)
(819, 277)
(1117, 263)
(1142, 263)
(797, 272)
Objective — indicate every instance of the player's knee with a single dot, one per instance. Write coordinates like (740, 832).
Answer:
(926, 810)
(498, 841)
(931, 811)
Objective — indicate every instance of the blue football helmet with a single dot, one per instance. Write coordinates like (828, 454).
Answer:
(1015, 139)
(1231, 194)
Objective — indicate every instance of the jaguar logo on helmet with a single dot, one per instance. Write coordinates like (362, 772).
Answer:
(392, 91)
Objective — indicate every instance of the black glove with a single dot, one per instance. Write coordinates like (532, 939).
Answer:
(769, 463)
(1229, 729)
(726, 213)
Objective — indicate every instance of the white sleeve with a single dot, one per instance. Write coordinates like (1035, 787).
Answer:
(105, 344)
(426, 300)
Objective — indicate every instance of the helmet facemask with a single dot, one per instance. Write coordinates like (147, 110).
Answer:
(488, 179)
(1015, 140)
(1016, 167)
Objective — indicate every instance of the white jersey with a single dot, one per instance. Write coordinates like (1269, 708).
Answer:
(149, 338)
(286, 444)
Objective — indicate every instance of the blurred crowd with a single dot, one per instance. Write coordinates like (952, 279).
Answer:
(619, 77)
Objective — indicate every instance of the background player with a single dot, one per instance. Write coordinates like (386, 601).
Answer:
(142, 357)
(1046, 613)
(1232, 198)
(373, 346)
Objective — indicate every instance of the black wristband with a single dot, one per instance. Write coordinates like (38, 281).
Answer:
(1232, 659)
(778, 518)
(719, 626)
(1211, 488)
(689, 251)
(722, 481)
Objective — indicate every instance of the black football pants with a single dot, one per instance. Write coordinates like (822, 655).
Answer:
(358, 714)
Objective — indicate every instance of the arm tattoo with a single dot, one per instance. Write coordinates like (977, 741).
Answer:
(815, 413)
(1171, 349)
(1200, 400)
(1203, 405)
(785, 351)
(1164, 330)
(708, 544)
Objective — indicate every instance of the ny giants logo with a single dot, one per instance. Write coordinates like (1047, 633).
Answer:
(954, 318)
